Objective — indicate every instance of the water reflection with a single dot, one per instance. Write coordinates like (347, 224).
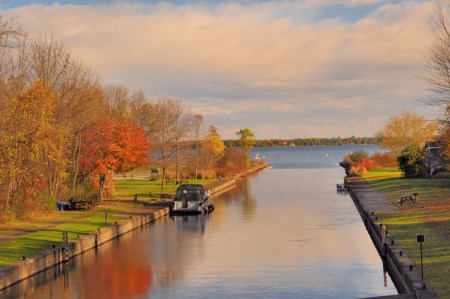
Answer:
(279, 234)
(249, 203)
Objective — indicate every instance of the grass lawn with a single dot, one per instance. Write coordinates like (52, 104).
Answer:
(147, 189)
(29, 238)
(37, 236)
(430, 216)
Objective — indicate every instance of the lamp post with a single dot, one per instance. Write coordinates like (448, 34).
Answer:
(421, 239)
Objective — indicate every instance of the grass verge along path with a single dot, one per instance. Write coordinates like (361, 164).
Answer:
(430, 216)
(27, 239)
(147, 189)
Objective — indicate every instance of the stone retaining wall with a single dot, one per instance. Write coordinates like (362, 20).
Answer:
(51, 257)
(405, 275)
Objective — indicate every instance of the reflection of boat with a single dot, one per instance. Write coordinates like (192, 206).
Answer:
(341, 187)
(191, 198)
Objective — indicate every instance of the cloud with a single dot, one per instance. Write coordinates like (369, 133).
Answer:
(271, 66)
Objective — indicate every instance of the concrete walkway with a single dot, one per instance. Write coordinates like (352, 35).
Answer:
(371, 199)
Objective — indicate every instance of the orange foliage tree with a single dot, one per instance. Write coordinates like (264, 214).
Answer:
(112, 146)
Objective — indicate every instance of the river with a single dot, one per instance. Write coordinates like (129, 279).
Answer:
(282, 233)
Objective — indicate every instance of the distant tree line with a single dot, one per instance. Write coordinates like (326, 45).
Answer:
(309, 141)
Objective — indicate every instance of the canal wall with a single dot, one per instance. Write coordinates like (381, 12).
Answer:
(49, 258)
(30, 266)
(218, 186)
(404, 273)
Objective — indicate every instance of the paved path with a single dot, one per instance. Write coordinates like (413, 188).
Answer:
(370, 198)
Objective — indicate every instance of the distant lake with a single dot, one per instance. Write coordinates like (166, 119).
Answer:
(309, 157)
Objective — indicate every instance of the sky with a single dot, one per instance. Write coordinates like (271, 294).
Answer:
(284, 69)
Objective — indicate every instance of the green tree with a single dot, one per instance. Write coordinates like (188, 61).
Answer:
(246, 141)
(412, 161)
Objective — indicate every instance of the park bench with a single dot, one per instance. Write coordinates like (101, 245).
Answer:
(408, 197)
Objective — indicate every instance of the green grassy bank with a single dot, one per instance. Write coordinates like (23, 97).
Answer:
(147, 189)
(430, 216)
(29, 238)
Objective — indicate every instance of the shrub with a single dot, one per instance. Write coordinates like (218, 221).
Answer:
(356, 163)
(412, 161)
(384, 160)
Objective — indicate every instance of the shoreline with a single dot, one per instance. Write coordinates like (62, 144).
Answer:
(405, 275)
(60, 254)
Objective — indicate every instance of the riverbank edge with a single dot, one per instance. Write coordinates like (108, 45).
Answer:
(31, 266)
(405, 275)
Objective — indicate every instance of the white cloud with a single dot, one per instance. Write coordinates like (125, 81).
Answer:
(268, 66)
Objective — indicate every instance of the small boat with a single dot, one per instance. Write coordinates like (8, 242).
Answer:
(191, 198)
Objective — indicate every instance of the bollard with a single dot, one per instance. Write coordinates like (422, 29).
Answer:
(401, 253)
(53, 246)
(392, 242)
(376, 218)
(106, 217)
(410, 267)
(23, 258)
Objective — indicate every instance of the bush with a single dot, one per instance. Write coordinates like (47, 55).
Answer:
(358, 156)
(412, 161)
(356, 163)
(384, 160)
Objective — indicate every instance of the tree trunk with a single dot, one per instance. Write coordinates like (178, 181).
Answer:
(163, 178)
(76, 161)
(197, 158)
(101, 188)
(176, 162)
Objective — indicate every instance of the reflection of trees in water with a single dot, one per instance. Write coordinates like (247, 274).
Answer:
(241, 194)
(177, 244)
(249, 204)
(121, 272)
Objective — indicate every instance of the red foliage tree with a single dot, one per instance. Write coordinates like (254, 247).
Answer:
(112, 146)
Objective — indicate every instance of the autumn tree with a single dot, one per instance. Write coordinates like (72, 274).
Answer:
(171, 125)
(246, 141)
(405, 129)
(437, 72)
(117, 101)
(213, 148)
(30, 142)
(77, 88)
(197, 127)
(112, 146)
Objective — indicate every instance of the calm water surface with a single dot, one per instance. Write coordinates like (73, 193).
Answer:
(284, 233)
